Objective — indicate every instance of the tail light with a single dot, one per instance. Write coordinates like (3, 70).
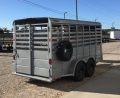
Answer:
(50, 61)
(53, 78)
(13, 39)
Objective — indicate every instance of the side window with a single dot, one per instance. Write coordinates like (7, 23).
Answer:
(56, 28)
(65, 32)
(41, 28)
(72, 28)
(56, 33)
(92, 28)
(80, 28)
(98, 28)
(22, 28)
(86, 28)
(80, 34)
(65, 28)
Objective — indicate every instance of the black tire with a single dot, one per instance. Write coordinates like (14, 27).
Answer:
(0, 48)
(64, 50)
(8, 48)
(90, 67)
(79, 71)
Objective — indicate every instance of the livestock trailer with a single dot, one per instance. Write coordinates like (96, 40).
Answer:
(6, 41)
(50, 48)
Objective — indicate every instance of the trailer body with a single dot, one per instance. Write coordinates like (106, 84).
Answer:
(36, 41)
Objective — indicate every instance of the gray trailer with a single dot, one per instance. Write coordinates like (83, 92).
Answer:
(50, 48)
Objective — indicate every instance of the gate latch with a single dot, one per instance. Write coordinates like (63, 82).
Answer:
(16, 54)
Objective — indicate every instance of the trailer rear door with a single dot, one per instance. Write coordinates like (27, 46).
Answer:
(32, 57)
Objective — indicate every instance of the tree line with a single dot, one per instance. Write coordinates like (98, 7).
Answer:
(2, 30)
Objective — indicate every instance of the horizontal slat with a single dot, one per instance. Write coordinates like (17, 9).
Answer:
(72, 32)
(56, 37)
(17, 32)
(92, 32)
(41, 38)
(92, 35)
(80, 39)
(22, 37)
(86, 35)
(57, 33)
(23, 46)
(72, 40)
(41, 47)
(40, 33)
(92, 38)
(80, 32)
(22, 41)
(98, 31)
(22, 33)
(36, 42)
(65, 37)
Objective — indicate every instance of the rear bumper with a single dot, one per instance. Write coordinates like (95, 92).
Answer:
(35, 77)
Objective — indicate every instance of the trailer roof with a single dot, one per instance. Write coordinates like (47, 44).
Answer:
(53, 20)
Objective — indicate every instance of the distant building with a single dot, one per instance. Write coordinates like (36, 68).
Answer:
(115, 34)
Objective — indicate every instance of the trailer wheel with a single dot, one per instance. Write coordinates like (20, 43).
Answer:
(8, 48)
(90, 67)
(64, 50)
(79, 71)
(0, 48)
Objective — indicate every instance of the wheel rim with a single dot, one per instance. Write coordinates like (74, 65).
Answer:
(64, 50)
(67, 51)
(81, 71)
(90, 68)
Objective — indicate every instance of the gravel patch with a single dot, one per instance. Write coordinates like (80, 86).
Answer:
(12, 86)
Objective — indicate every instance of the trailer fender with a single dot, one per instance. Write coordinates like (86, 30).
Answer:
(73, 64)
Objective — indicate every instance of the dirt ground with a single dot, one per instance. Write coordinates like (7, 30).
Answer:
(12, 86)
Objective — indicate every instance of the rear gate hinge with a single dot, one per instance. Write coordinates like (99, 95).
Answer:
(49, 50)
